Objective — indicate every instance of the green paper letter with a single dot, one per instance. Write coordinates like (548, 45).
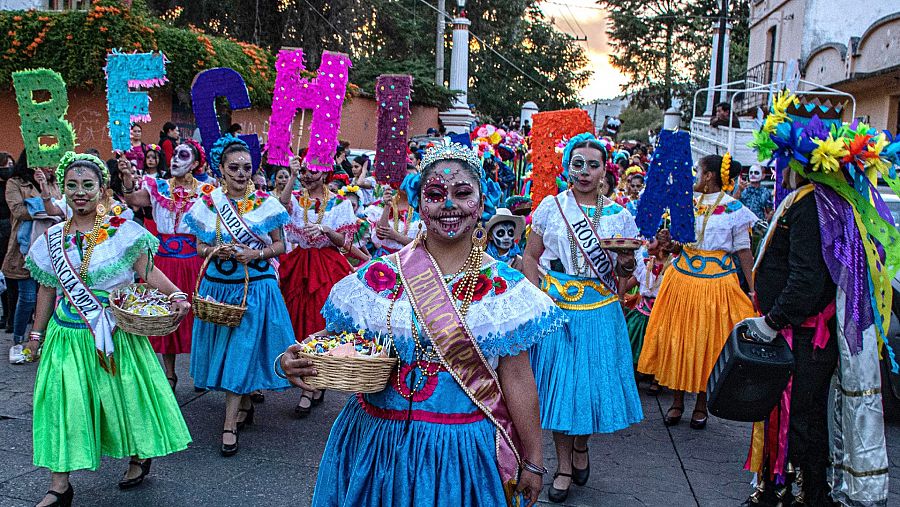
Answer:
(43, 119)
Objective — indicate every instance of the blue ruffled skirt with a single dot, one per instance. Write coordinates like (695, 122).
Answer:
(240, 359)
(584, 370)
(385, 451)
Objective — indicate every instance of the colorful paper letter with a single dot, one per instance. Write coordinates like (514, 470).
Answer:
(123, 72)
(669, 186)
(207, 87)
(43, 118)
(549, 128)
(324, 95)
(392, 94)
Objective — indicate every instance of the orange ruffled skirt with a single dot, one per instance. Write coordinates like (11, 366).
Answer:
(698, 305)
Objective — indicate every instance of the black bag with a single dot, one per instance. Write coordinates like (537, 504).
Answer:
(749, 377)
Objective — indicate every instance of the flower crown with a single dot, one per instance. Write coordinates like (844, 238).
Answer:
(635, 169)
(453, 151)
(201, 155)
(725, 173)
(814, 146)
(347, 190)
(69, 157)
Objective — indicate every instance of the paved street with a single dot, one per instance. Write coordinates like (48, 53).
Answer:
(645, 465)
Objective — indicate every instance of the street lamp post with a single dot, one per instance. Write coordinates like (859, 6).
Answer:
(458, 118)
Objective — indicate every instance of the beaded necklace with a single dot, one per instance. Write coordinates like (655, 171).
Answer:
(91, 239)
(579, 262)
(182, 199)
(307, 203)
(709, 212)
(421, 353)
(237, 204)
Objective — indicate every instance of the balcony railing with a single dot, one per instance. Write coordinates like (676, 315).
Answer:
(765, 73)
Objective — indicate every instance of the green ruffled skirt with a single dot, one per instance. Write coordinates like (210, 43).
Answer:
(83, 412)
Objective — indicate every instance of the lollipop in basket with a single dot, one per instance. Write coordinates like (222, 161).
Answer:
(142, 310)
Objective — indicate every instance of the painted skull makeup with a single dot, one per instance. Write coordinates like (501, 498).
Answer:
(451, 203)
(182, 160)
(503, 235)
(755, 175)
(580, 164)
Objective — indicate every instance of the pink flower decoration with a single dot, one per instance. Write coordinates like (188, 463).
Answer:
(380, 277)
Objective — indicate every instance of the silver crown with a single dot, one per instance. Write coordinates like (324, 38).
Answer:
(452, 151)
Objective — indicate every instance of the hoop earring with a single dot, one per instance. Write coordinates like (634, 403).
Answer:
(251, 188)
(479, 237)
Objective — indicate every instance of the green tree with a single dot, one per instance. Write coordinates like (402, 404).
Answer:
(637, 121)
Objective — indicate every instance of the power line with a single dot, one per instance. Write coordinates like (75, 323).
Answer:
(334, 28)
(575, 19)
(485, 44)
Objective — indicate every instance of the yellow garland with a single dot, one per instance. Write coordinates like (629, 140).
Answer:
(725, 173)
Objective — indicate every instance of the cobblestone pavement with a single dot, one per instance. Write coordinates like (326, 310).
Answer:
(645, 465)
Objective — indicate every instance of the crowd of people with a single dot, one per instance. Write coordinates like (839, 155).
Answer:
(505, 319)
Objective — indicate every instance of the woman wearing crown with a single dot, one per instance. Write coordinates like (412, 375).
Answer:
(700, 299)
(241, 227)
(321, 229)
(457, 423)
(171, 199)
(99, 391)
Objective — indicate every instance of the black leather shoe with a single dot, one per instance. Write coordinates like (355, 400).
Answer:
(558, 495)
(673, 420)
(145, 469)
(318, 401)
(699, 424)
(257, 397)
(248, 419)
(302, 412)
(580, 476)
(63, 499)
(230, 449)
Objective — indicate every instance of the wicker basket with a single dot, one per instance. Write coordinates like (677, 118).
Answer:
(353, 374)
(141, 325)
(214, 312)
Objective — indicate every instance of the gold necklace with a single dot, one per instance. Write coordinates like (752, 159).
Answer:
(91, 239)
(306, 202)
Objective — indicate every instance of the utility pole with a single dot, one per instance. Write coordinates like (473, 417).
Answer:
(439, 45)
(718, 72)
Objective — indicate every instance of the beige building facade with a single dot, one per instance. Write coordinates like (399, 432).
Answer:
(845, 44)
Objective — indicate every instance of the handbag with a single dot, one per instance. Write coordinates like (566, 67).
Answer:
(749, 377)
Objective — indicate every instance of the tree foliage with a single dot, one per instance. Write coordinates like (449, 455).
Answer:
(391, 36)
(664, 46)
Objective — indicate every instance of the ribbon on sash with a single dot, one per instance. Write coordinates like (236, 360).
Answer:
(100, 322)
(434, 309)
(234, 222)
(588, 241)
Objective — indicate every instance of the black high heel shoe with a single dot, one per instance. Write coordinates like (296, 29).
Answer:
(230, 449)
(145, 469)
(699, 424)
(63, 499)
(580, 475)
(673, 420)
(248, 419)
(302, 412)
(558, 495)
(318, 401)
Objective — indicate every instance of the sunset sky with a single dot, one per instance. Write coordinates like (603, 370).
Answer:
(591, 20)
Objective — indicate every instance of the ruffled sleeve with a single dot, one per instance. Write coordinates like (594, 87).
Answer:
(541, 215)
(201, 219)
(741, 221)
(341, 218)
(120, 252)
(38, 263)
(511, 322)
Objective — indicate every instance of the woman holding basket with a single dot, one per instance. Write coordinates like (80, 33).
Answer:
(97, 392)
(457, 423)
(238, 230)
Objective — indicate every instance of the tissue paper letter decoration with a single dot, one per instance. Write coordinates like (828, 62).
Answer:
(124, 71)
(392, 94)
(43, 118)
(669, 186)
(324, 96)
(206, 88)
(549, 128)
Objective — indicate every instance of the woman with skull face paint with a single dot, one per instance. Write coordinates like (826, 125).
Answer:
(171, 199)
(458, 318)
(583, 370)
(700, 299)
(322, 229)
(99, 391)
(755, 196)
(242, 227)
